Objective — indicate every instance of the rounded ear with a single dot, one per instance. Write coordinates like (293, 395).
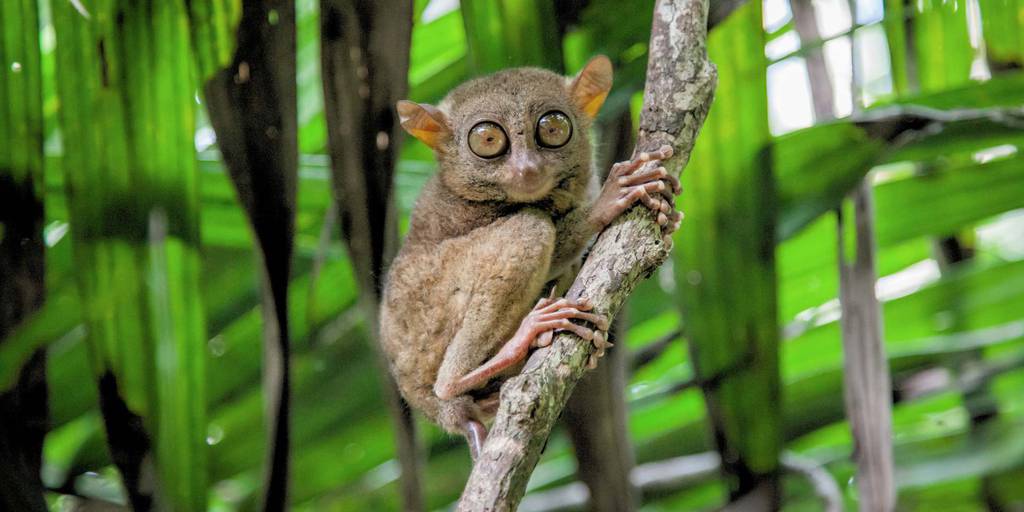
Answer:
(425, 122)
(591, 85)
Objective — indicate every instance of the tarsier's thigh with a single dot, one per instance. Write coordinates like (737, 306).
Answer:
(504, 269)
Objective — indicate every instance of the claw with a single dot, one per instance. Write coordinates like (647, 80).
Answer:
(601, 344)
(476, 435)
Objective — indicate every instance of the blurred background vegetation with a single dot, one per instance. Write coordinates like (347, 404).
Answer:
(148, 325)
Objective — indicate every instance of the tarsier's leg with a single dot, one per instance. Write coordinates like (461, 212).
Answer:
(534, 331)
(632, 181)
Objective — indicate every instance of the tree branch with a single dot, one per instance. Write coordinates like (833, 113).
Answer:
(680, 86)
(678, 473)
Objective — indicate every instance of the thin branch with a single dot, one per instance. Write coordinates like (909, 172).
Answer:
(893, 123)
(678, 93)
(806, 25)
(652, 351)
(678, 473)
(824, 484)
(651, 478)
(252, 105)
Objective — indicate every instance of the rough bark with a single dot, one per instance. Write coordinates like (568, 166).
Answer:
(866, 382)
(365, 63)
(252, 106)
(680, 86)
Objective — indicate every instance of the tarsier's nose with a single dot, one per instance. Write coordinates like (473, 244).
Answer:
(527, 167)
(527, 179)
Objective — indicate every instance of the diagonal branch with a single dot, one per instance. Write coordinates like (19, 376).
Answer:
(680, 86)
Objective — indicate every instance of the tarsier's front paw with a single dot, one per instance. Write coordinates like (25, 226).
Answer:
(632, 181)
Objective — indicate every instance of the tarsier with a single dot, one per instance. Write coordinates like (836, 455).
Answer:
(506, 218)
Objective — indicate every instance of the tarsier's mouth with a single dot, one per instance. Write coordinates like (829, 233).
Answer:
(522, 188)
(525, 194)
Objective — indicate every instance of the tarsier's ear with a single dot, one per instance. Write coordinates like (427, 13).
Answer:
(425, 122)
(591, 85)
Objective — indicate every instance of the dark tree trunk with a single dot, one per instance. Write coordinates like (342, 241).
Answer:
(129, 444)
(252, 106)
(365, 64)
(24, 412)
(23, 408)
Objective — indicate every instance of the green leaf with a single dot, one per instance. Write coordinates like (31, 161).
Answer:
(816, 167)
(213, 24)
(942, 46)
(725, 256)
(127, 119)
(510, 33)
(1002, 25)
(947, 199)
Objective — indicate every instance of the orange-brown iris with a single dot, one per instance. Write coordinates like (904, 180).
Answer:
(488, 140)
(553, 130)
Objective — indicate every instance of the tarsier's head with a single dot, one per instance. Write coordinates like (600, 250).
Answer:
(514, 135)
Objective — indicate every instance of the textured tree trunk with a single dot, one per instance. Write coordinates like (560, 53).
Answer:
(365, 63)
(252, 105)
(680, 86)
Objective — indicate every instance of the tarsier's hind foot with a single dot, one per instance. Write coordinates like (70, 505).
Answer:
(651, 185)
(569, 309)
(536, 330)
(551, 315)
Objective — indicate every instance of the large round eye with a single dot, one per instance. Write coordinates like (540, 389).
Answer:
(553, 129)
(488, 140)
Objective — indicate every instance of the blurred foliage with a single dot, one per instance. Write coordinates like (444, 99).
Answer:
(725, 263)
(963, 178)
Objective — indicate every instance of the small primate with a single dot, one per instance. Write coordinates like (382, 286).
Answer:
(508, 215)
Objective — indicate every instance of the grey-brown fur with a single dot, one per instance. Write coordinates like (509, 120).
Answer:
(482, 246)
(473, 264)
